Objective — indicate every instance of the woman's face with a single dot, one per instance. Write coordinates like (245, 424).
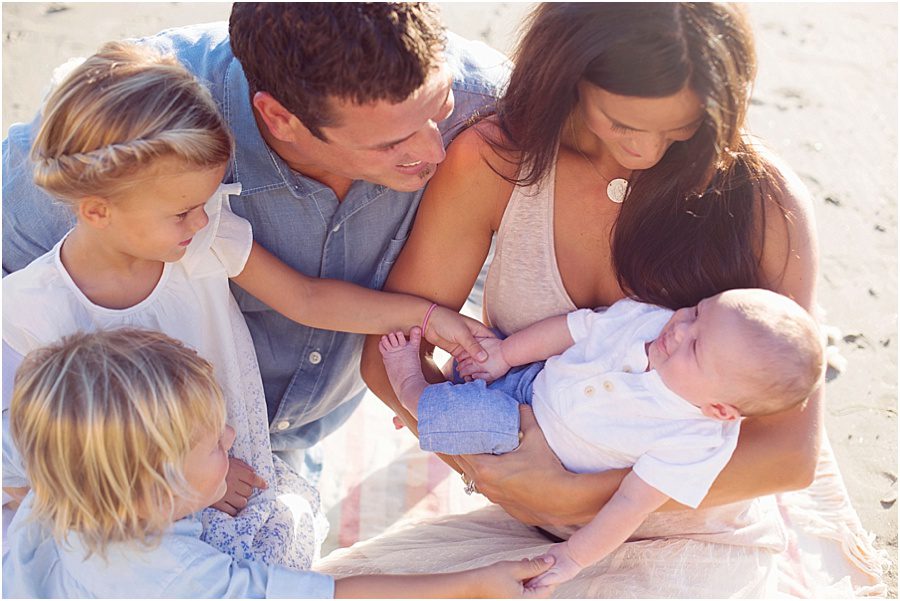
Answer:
(638, 131)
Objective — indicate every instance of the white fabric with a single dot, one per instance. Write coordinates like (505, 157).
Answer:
(599, 409)
(193, 303)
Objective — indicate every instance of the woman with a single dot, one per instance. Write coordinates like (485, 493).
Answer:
(617, 165)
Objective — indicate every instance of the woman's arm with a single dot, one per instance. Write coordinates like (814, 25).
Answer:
(449, 242)
(779, 452)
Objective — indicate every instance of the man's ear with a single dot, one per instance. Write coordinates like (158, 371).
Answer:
(94, 211)
(280, 122)
(721, 411)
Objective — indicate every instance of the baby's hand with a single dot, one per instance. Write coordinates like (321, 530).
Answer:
(240, 482)
(494, 367)
(510, 579)
(564, 567)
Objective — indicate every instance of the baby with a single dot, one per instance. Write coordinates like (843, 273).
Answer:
(123, 437)
(633, 385)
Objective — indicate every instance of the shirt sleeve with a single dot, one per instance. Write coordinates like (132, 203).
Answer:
(13, 470)
(213, 574)
(225, 242)
(233, 241)
(580, 323)
(686, 469)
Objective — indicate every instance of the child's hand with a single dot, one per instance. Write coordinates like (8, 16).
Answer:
(564, 567)
(240, 482)
(495, 366)
(511, 579)
(456, 333)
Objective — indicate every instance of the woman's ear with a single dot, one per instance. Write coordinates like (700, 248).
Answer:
(721, 411)
(93, 211)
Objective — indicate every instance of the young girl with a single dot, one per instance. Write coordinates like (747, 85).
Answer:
(123, 438)
(136, 147)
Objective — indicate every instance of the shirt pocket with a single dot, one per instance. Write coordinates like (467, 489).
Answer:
(387, 262)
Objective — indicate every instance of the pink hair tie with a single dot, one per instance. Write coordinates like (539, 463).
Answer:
(427, 315)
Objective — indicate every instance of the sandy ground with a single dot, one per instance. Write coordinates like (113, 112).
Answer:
(826, 100)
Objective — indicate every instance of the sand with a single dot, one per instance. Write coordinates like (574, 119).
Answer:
(825, 99)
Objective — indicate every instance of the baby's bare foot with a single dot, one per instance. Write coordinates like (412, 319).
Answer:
(402, 363)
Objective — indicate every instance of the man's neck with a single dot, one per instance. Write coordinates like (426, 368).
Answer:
(302, 164)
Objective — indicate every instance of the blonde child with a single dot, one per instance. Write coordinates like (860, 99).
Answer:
(123, 437)
(634, 385)
(136, 147)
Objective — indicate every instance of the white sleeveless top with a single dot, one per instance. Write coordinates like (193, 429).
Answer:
(524, 265)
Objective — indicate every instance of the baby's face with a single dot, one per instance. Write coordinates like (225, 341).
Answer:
(699, 351)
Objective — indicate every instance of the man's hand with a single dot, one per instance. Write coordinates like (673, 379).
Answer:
(518, 481)
(240, 482)
(495, 366)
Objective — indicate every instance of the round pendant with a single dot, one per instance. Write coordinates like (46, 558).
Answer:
(616, 190)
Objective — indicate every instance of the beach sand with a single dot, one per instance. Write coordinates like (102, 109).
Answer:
(825, 100)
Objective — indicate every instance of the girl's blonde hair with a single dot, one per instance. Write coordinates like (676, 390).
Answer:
(104, 422)
(118, 111)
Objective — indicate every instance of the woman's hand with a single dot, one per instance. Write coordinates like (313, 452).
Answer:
(518, 481)
(456, 333)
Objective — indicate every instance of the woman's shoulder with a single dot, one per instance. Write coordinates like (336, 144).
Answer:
(785, 189)
(482, 151)
(475, 177)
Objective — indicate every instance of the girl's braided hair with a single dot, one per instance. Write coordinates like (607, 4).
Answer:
(118, 111)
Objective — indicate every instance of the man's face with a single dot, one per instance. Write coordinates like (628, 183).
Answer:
(395, 145)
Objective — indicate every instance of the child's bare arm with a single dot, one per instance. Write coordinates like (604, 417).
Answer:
(503, 580)
(537, 342)
(619, 518)
(345, 307)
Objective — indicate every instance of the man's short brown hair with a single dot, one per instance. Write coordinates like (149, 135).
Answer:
(304, 54)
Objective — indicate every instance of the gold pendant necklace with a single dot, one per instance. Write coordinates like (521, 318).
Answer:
(615, 188)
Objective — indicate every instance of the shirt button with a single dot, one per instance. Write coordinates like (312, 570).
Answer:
(315, 357)
(588, 390)
(608, 386)
(336, 228)
(283, 425)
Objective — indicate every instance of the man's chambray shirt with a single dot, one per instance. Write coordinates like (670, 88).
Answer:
(311, 376)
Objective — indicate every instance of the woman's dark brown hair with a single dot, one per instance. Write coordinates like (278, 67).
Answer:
(688, 228)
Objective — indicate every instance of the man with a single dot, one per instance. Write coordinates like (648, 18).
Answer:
(340, 113)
